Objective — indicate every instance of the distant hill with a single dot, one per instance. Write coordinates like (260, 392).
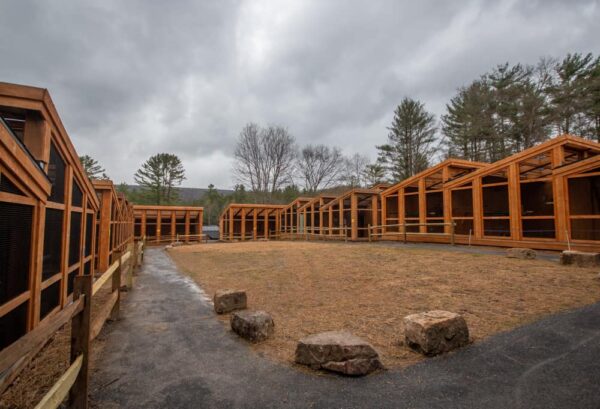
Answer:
(187, 194)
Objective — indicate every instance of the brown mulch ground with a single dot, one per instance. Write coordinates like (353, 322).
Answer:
(52, 361)
(368, 289)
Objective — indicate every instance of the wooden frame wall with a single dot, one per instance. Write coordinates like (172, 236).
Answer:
(249, 221)
(288, 216)
(309, 217)
(29, 159)
(115, 223)
(504, 210)
(351, 213)
(161, 224)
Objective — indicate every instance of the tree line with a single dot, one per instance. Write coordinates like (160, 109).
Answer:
(506, 110)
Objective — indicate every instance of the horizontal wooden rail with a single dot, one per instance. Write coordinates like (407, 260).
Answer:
(61, 388)
(16, 355)
(103, 279)
(103, 315)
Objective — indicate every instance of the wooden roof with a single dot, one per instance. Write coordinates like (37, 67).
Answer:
(459, 163)
(38, 99)
(570, 140)
(316, 200)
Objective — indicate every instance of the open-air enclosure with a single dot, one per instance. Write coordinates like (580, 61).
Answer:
(545, 197)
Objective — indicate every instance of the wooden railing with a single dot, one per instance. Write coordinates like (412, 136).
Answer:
(380, 231)
(73, 382)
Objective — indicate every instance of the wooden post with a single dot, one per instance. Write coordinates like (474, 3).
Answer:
(514, 201)
(80, 342)
(374, 213)
(266, 223)
(116, 286)
(422, 206)
(369, 231)
(143, 224)
(231, 223)
(452, 232)
(330, 220)
(243, 224)
(186, 230)
(383, 213)
(477, 209)
(158, 225)
(354, 216)
(173, 228)
(254, 224)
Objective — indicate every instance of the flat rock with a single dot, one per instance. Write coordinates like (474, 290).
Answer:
(522, 253)
(435, 332)
(255, 326)
(580, 258)
(229, 300)
(338, 351)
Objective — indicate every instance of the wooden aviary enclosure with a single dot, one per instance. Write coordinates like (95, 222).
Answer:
(288, 216)
(115, 221)
(545, 197)
(350, 214)
(249, 222)
(310, 218)
(161, 224)
(48, 209)
(51, 225)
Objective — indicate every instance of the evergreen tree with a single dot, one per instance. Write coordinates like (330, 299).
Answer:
(374, 174)
(92, 168)
(159, 176)
(410, 140)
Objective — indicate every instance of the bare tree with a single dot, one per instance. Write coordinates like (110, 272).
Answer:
(354, 167)
(264, 158)
(319, 166)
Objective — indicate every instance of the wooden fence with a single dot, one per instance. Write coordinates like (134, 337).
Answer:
(74, 381)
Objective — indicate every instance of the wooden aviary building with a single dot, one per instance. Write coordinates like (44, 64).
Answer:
(545, 197)
(160, 224)
(249, 221)
(48, 211)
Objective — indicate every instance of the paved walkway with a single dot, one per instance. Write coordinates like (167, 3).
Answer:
(169, 351)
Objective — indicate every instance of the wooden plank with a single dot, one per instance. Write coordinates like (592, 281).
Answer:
(80, 342)
(13, 303)
(61, 388)
(103, 279)
(103, 315)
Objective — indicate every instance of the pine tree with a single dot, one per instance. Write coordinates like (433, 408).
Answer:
(159, 176)
(92, 168)
(410, 140)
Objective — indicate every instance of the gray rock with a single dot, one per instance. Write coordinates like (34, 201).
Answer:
(522, 253)
(580, 258)
(338, 351)
(435, 332)
(255, 326)
(229, 300)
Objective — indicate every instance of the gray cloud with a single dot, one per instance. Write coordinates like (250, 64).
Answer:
(134, 78)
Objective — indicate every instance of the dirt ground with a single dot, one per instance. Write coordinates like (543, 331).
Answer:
(368, 289)
(51, 362)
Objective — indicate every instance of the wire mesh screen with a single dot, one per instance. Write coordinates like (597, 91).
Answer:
(15, 244)
(50, 299)
(56, 174)
(71, 281)
(7, 186)
(75, 238)
(89, 220)
(77, 197)
(13, 325)
(52, 242)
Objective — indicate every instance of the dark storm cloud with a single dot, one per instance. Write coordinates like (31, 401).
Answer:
(132, 78)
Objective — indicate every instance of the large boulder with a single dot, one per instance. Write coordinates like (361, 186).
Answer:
(522, 253)
(338, 351)
(580, 258)
(229, 300)
(255, 326)
(435, 332)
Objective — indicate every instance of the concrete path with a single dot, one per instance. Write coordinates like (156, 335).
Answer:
(169, 351)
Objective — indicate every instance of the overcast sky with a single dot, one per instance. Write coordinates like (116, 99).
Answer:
(134, 78)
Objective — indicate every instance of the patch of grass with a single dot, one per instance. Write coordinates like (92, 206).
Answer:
(368, 289)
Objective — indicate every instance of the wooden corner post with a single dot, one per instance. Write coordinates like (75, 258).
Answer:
(116, 285)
